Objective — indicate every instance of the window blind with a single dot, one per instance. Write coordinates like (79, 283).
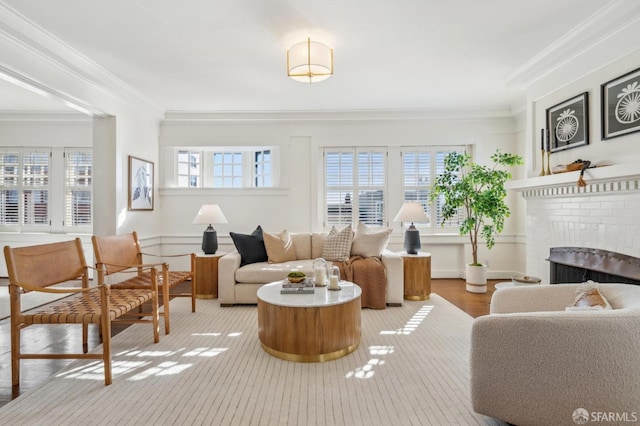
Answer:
(78, 188)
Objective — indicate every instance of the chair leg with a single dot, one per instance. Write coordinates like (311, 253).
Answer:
(165, 307)
(85, 338)
(193, 294)
(15, 353)
(106, 348)
(155, 320)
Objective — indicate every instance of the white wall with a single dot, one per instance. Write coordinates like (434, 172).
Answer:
(295, 205)
(600, 216)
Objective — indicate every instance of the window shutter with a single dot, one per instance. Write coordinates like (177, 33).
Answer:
(9, 198)
(78, 188)
(417, 173)
(355, 182)
(35, 183)
(339, 190)
(371, 187)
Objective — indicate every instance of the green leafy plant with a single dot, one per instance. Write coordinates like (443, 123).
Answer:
(479, 191)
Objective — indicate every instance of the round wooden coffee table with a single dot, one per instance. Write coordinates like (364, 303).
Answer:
(309, 327)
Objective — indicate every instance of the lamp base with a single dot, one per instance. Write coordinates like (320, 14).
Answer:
(210, 241)
(412, 240)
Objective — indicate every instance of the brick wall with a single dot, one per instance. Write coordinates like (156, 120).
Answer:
(602, 215)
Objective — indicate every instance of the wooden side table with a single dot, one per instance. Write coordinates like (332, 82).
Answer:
(207, 275)
(417, 275)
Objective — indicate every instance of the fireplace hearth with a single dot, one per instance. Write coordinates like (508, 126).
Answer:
(579, 264)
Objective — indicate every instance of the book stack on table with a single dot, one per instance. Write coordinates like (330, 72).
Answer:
(304, 287)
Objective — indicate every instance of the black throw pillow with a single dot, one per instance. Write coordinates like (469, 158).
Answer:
(251, 247)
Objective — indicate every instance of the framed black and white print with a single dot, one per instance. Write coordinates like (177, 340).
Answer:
(621, 105)
(568, 123)
(140, 184)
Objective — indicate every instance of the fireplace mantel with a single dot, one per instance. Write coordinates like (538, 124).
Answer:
(603, 180)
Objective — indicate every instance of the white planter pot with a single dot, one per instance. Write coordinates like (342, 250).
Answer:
(476, 278)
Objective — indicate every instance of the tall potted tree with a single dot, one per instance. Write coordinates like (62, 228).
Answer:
(479, 190)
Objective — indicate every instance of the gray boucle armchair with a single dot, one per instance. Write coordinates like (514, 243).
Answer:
(533, 363)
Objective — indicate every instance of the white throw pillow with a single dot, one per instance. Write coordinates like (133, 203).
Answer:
(337, 245)
(369, 242)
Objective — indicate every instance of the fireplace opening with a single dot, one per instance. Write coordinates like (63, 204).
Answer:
(579, 264)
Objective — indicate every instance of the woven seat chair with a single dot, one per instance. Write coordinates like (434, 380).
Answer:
(116, 254)
(37, 268)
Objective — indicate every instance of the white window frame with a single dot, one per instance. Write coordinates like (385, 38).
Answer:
(190, 174)
(249, 166)
(57, 189)
(431, 209)
(23, 187)
(352, 186)
(80, 182)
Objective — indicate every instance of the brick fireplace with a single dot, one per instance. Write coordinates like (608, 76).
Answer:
(603, 215)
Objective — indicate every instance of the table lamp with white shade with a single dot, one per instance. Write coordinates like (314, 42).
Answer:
(412, 212)
(208, 214)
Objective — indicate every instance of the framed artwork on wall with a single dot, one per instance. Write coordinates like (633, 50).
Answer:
(621, 105)
(568, 123)
(140, 184)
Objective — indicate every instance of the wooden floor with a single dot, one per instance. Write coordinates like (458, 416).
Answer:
(58, 338)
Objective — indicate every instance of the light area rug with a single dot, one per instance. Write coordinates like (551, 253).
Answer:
(411, 368)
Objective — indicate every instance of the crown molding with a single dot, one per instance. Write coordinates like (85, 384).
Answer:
(612, 19)
(36, 42)
(335, 116)
(48, 116)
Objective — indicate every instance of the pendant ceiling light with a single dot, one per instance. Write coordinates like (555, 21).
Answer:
(310, 61)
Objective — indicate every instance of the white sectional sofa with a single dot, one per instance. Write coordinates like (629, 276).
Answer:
(239, 284)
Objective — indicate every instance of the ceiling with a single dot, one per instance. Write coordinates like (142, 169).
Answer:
(230, 55)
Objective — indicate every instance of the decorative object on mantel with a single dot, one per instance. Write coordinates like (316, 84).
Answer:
(545, 149)
(621, 105)
(542, 151)
(569, 123)
(548, 171)
(581, 165)
(479, 191)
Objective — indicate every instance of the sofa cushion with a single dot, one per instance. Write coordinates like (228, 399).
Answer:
(337, 245)
(317, 244)
(368, 241)
(280, 247)
(302, 244)
(264, 272)
(251, 247)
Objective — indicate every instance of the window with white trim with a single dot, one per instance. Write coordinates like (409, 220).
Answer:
(226, 167)
(227, 170)
(189, 169)
(46, 189)
(24, 185)
(262, 168)
(421, 166)
(78, 189)
(355, 186)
